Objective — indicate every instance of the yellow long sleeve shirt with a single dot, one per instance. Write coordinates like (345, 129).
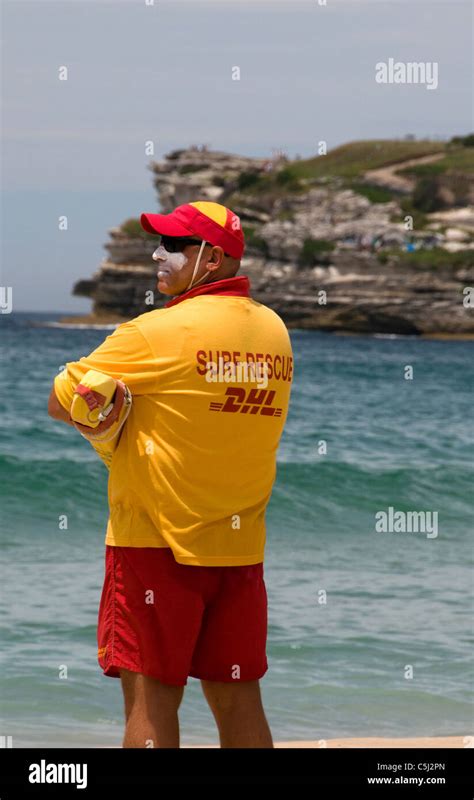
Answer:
(194, 468)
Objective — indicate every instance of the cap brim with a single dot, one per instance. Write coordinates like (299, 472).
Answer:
(164, 225)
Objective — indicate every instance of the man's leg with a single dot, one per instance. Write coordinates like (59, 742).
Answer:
(151, 711)
(239, 714)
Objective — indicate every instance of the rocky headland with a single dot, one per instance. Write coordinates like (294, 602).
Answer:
(373, 237)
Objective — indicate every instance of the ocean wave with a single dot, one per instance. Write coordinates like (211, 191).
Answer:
(332, 489)
(33, 487)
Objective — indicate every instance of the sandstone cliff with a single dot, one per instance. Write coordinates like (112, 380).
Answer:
(319, 251)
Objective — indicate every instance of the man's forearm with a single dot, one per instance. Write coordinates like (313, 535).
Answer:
(63, 417)
(56, 410)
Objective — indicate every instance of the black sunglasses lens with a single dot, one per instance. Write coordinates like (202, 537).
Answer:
(176, 244)
(168, 243)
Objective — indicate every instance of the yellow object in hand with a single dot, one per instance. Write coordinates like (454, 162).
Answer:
(99, 409)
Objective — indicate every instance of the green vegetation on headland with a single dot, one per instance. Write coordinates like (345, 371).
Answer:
(458, 157)
(459, 160)
(435, 258)
(348, 164)
(376, 194)
(255, 241)
(315, 251)
(349, 161)
(133, 228)
(353, 159)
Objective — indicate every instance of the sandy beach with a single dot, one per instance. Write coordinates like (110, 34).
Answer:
(371, 742)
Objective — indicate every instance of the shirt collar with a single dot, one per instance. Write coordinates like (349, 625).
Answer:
(238, 286)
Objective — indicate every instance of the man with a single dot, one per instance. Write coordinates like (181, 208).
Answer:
(184, 593)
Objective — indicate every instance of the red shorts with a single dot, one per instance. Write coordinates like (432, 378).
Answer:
(169, 621)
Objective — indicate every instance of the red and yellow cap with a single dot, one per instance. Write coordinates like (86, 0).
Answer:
(216, 224)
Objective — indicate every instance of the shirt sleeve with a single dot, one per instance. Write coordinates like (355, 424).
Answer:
(124, 355)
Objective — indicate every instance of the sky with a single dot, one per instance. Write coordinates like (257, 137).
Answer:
(161, 71)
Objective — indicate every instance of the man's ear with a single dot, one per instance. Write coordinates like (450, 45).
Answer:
(216, 258)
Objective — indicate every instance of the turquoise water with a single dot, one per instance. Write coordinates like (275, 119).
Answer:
(335, 668)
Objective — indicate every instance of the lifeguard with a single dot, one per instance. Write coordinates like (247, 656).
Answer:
(190, 480)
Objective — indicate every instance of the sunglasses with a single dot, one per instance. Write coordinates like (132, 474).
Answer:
(176, 244)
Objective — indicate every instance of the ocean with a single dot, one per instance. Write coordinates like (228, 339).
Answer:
(370, 631)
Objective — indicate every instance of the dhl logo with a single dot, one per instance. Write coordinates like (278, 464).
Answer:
(257, 401)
